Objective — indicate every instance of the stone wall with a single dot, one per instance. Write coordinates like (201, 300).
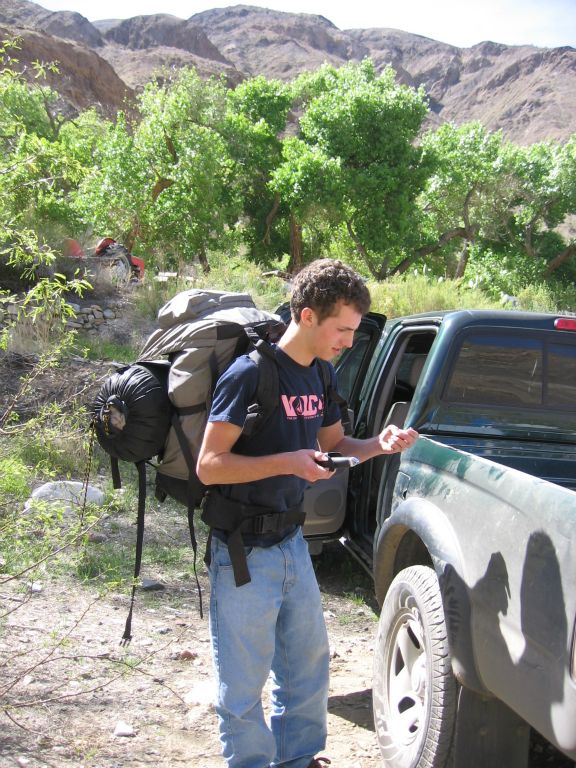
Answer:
(91, 317)
(88, 318)
(32, 335)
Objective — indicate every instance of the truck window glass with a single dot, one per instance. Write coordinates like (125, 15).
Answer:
(561, 389)
(349, 361)
(513, 370)
(482, 371)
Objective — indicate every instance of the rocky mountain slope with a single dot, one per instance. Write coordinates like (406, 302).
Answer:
(527, 92)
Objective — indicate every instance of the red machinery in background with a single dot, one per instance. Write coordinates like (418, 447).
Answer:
(121, 261)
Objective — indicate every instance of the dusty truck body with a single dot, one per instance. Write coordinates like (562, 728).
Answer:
(470, 535)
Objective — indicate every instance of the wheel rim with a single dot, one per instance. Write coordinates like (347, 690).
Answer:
(406, 675)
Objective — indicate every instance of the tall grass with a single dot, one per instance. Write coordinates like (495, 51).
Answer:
(407, 295)
(102, 348)
(227, 273)
(418, 293)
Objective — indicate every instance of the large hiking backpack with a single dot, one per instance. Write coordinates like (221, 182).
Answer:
(158, 406)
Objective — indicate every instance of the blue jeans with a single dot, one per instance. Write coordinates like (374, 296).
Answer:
(273, 624)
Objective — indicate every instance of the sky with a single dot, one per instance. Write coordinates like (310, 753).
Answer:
(545, 23)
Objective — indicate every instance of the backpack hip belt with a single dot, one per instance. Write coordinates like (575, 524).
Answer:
(237, 518)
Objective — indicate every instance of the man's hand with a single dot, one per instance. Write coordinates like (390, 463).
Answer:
(395, 440)
(304, 464)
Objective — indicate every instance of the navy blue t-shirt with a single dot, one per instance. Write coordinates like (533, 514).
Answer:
(293, 425)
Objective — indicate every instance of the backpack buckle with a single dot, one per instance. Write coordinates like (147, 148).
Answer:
(267, 523)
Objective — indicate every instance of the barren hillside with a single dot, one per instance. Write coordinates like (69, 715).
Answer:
(529, 93)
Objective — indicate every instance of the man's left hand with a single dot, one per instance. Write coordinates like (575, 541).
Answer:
(392, 439)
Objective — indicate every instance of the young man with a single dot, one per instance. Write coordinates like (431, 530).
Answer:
(265, 608)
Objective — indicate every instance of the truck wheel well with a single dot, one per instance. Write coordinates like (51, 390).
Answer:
(411, 551)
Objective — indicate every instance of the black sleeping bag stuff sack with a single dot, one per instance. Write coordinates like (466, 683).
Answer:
(133, 413)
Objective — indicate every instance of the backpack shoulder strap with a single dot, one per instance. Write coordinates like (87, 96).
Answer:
(267, 390)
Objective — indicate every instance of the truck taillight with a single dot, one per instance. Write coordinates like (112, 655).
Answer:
(565, 323)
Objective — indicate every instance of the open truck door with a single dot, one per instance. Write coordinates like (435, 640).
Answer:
(325, 501)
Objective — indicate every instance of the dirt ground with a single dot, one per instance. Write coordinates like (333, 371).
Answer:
(61, 648)
(67, 686)
(73, 697)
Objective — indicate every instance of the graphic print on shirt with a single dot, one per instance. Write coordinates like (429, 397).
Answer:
(302, 406)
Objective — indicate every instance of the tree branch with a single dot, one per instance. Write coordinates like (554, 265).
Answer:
(560, 259)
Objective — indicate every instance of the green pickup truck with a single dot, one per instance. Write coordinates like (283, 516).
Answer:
(470, 535)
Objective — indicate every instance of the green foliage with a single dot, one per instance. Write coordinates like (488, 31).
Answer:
(161, 183)
(422, 292)
(227, 273)
(543, 297)
(503, 271)
(15, 480)
(208, 178)
(99, 348)
(236, 274)
(36, 177)
(261, 101)
(256, 115)
(54, 442)
(308, 174)
(414, 293)
(109, 563)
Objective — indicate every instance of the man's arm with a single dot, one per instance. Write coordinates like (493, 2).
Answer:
(391, 440)
(217, 465)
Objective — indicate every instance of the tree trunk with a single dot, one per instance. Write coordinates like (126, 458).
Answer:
(203, 259)
(462, 261)
(132, 236)
(159, 187)
(270, 219)
(426, 250)
(362, 251)
(296, 262)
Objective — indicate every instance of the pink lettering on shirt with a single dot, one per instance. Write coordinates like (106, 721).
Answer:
(305, 406)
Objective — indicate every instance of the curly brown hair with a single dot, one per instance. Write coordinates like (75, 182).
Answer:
(325, 282)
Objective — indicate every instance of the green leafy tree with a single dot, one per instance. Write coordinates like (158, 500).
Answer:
(357, 160)
(496, 207)
(36, 174)
(161, 185)
(256, 118)
(467, 197)
(544, 199)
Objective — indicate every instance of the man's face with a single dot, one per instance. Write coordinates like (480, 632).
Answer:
(336, 332)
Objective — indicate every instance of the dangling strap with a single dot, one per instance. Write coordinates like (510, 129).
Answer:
(141, 467)
(115, 469)
(190, 463)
